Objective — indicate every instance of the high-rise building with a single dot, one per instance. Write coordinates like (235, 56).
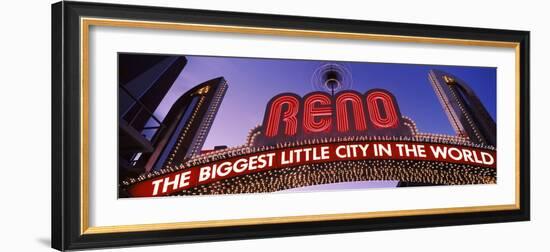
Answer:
(185, 126)
(464, 110)
(143, 81)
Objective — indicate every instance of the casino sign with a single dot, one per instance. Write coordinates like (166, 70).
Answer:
(333, 137)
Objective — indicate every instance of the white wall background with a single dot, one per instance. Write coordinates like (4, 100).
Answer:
(25, 125)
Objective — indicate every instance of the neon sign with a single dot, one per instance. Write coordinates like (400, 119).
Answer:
(346, 113)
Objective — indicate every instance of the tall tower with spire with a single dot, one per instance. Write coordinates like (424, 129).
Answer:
(465, 112)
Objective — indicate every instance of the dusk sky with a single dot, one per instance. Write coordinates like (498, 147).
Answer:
(253, 82)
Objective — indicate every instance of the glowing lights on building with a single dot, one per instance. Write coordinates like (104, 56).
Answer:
(463, 108)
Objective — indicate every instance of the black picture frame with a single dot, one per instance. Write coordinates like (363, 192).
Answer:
(67, 231)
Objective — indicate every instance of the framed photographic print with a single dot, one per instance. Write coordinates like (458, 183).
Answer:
(179, 125)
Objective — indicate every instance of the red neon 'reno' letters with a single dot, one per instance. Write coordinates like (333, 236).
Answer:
(288, 116)
(390, 119)
(317, 118)
(342, 112)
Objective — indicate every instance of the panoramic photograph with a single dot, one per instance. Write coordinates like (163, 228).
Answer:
(203, 125)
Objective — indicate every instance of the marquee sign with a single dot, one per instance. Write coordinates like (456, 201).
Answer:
(258, 162)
